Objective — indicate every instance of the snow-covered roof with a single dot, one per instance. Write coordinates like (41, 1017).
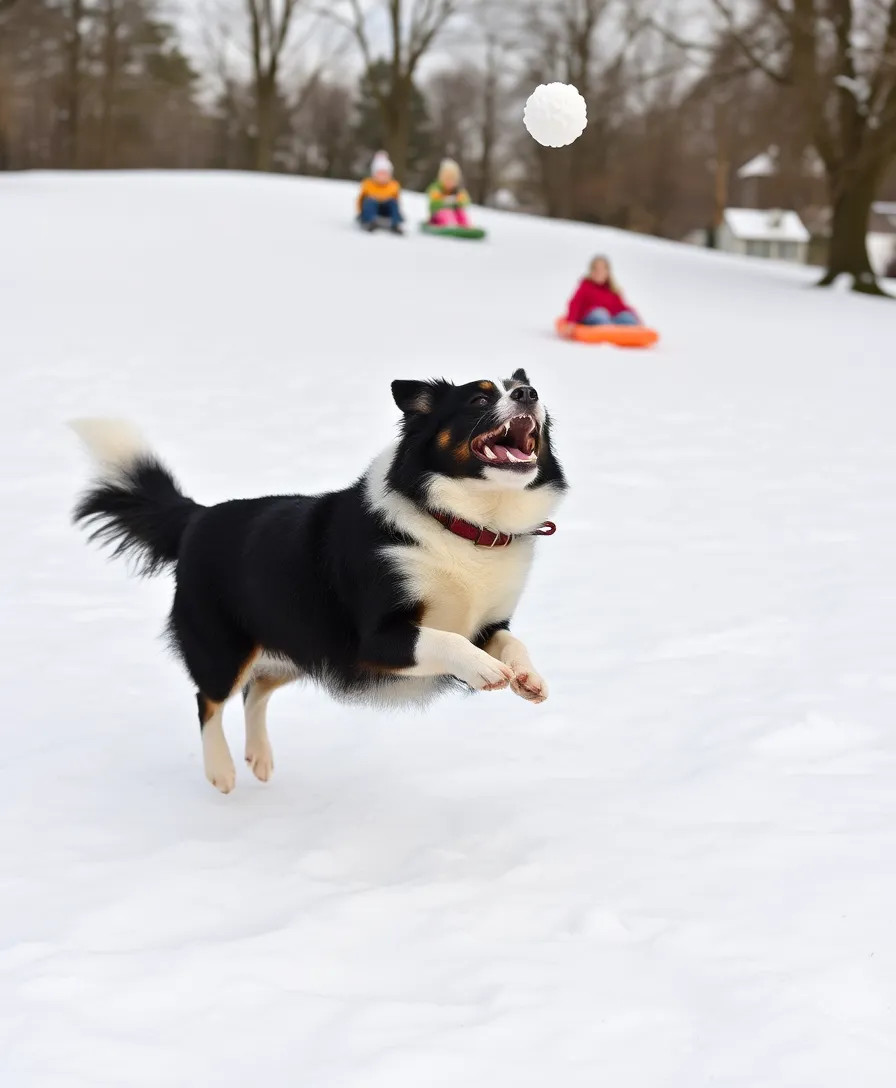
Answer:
(763, 165)
(885, 207)
(775, 225)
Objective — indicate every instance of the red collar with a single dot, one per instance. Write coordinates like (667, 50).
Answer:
(487, 538)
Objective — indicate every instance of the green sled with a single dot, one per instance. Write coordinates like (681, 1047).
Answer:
(473, 233)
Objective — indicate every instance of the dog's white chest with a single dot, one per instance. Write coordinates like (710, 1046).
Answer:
(462, 587)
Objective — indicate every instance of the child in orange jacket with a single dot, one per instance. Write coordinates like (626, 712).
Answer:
(379, 195)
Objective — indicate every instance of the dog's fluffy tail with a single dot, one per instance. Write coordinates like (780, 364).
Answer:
(134, 503)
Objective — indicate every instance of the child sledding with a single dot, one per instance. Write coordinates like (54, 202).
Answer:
(379, 199)
(598, 314)
(448, 203)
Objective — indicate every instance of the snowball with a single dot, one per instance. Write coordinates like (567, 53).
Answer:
(555, 114)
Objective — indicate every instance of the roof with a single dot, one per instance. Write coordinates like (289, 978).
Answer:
(766, 164)
(885, 207)
(763, 165)
(773, 225)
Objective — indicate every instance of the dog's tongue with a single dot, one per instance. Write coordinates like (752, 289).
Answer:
(509, 453)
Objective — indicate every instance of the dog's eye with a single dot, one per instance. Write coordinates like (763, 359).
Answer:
(479, 401)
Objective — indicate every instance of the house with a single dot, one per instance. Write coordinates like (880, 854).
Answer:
(882, 237)
(760, 229)
(773, 179)
(763, 233)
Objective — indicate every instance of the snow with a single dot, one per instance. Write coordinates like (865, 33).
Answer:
(858, 87)
(676, 873)
(763, 165)
(775, 225)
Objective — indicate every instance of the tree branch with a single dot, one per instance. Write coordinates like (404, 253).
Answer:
(436, 15)
(745, 47)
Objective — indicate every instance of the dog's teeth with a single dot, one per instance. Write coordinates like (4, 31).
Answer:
(490, 453)
(510, 457)
(506, 427)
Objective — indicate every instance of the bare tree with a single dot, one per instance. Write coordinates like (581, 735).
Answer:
(414, 25)
(321, 138)
(453, 100)
(74, 42)
(585, 43)
(6, 7)
(231, 97)
(501, 32)
(836, 59)
(111, 18)
(270, 23)
(96, 83)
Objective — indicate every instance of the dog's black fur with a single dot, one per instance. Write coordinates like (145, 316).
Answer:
(305, 580)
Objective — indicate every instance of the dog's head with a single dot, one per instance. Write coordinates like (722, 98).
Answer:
(494, 432)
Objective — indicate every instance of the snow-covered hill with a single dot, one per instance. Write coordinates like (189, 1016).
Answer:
(678, 872)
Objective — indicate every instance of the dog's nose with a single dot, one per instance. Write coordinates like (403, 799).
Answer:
(525, 394)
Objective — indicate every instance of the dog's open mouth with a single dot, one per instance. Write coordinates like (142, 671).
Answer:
(513, 443)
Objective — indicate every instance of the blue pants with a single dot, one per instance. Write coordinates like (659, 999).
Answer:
(372, 209)
(600, 316)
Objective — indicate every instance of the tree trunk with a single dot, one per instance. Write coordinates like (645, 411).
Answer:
(73, 87)
(397, 129)
(489, 125)
(565, 161)
(488, 133)
(720, 190)
(554, 165)
(5, 155)
(109, 85)
(265, 102)
(847, 249)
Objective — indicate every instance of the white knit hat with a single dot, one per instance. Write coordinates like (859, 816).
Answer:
(381, 161)
(449, 166)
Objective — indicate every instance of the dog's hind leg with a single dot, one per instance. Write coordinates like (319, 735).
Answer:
(256, 694)
(219, 658)
(216, 757)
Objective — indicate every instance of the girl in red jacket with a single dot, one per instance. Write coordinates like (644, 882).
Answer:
(597, 300)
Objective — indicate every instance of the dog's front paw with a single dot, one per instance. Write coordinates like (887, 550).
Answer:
(488, 674)
(529, 685)
(222, 776)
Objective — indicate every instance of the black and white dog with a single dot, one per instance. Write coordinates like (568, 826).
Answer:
(387, 592)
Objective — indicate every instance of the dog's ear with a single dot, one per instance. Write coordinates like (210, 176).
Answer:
(413, 398)
(520, 376)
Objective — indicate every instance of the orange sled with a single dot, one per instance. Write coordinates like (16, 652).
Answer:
(623, 336)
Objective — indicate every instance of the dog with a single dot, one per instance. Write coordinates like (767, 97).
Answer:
(389, 592)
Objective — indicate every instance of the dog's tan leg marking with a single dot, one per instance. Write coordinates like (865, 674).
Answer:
(526, 681)
(259, 754)
(216, 757)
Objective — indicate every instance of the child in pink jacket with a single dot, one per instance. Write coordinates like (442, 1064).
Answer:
(598, 301)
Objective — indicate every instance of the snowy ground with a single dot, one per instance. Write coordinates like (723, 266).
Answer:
(678, 872)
